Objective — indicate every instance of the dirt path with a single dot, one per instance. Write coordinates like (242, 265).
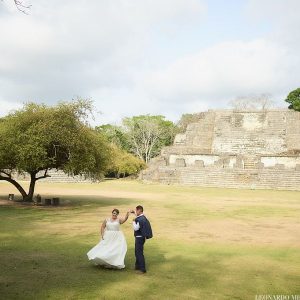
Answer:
(44, 190)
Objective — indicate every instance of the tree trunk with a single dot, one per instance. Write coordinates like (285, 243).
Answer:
(26, 197)
(16, 184)
(33, 179)
(29, 196)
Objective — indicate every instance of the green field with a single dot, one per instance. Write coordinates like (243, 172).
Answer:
(208, 243)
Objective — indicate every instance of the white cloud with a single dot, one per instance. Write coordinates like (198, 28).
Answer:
(119, 54)
(7, 107)
(226, 69)
(66, 49)
(215, 75)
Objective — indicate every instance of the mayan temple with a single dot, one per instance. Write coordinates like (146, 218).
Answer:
(235, 149)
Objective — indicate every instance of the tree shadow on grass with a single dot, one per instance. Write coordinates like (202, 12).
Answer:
(70, 201)
(56, 267)
(41, 267)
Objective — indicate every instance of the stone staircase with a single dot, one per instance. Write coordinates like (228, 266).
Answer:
(201, 134)
(249, 162)
(233, 178)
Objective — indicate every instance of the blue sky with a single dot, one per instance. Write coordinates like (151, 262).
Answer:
(136, 57)
(222, 21)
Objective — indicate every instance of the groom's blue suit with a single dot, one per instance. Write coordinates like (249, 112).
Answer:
(144, 232)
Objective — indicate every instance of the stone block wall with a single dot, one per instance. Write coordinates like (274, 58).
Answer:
(228, 131)
(242, 149)
(250, 132)
(56, 176)
(60, 176)
(272, 178)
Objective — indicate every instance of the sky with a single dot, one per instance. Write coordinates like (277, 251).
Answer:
(134, 57)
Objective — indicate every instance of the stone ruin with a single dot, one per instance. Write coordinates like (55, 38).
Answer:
(55, 176)
(233, 149)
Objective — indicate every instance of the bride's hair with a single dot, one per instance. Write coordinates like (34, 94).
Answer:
(116, 210)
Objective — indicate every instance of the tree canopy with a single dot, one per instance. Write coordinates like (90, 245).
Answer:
(124, 163)
(252, 102)
(115, 135)
(148, 134)
(293, 99)
(37, 138)
(144, 135)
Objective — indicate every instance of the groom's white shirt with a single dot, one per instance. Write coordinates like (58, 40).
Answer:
(136, 226)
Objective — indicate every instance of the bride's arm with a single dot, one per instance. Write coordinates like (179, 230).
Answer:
(102, 229)
(125, 218)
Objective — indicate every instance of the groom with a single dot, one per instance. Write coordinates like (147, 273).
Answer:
(142, 231)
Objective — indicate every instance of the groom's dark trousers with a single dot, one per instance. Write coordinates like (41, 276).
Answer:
(139, 254)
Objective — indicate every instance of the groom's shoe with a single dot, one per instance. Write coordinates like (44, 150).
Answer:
(140, 272)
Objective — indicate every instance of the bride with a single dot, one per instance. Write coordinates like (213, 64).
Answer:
(111, 250)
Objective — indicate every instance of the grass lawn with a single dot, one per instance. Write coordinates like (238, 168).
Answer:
(208, 243)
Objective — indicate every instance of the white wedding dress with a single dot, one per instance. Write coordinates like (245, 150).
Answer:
(111, 251)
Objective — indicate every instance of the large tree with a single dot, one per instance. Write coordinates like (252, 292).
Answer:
(148, 134)
(21, 6)
(124, 163)
(293, 99)
(252, 102)
(38, 138)
(115, 135)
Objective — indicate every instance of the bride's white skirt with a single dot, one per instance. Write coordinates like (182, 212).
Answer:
(111, 251)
